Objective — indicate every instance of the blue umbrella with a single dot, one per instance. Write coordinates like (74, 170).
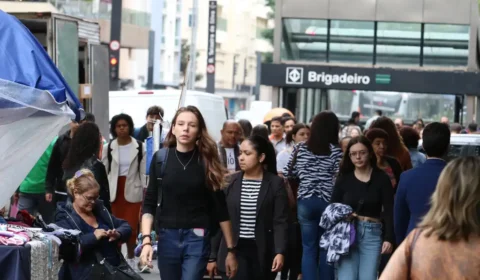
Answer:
(24, 61)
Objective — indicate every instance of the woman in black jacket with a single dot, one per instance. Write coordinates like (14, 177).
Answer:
(258, 208)
(84, 154)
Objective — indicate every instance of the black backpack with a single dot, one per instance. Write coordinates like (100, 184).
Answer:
(139, 155)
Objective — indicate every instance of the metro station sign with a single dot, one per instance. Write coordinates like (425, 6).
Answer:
(370, 78)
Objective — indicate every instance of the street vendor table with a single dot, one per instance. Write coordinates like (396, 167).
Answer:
(37, 260)
(15, 262)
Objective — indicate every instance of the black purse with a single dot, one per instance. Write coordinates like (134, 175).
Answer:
(103, 270)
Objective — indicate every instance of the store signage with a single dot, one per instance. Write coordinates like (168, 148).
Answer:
(371, 78)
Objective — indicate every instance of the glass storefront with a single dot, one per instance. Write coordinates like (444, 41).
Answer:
(375, 43)
(408, 106)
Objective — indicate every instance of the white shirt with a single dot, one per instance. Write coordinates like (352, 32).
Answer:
(282, 158)
(124, 158)
(230, 159)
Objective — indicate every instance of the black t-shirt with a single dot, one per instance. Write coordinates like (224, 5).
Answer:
(187, 202)
(376, 194)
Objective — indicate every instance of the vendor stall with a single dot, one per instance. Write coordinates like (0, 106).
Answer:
(35, 103)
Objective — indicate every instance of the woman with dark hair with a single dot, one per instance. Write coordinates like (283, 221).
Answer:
(258, 206)
(379, 139)
(246, 128)
(185, 195)
(289, 123)
(262, 130)
(315, 164)
(396, 148)
(84, 154)
(299, 133)
(367, 189)
(125, 160)
(410, 138)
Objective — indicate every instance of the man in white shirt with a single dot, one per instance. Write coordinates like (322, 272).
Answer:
(228, 149)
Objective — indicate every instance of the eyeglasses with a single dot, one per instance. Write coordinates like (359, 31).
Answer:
(90, 199)
(358, 154)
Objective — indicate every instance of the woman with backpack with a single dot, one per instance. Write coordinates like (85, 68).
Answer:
(185, 201)
(124, 158)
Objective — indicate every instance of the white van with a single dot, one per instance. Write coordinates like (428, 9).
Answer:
(136, 104)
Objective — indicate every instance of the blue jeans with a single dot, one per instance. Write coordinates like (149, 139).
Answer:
(362, 261)
(314, 260)
(183, 253)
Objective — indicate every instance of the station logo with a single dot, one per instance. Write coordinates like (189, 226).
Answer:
(294, 76)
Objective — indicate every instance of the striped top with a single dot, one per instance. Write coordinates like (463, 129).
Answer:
(317, 173)
(248, 208)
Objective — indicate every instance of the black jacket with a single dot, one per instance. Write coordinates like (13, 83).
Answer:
(67, 218)
(98, 170)
(54, 177)
(271, 228)
(223, 156)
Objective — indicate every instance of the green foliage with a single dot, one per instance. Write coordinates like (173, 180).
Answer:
(267, 34)
(185, 52)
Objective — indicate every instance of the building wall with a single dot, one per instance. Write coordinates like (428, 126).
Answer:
(237, 40)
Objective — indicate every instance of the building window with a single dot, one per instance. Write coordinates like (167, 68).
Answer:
(398, 43)
(221, 24)
(351, 41)
(304, 39)
(445, 45)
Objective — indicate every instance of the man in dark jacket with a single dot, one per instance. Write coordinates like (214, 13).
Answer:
(154, 113)
(228, 149)
(412, 200)
(54, 179)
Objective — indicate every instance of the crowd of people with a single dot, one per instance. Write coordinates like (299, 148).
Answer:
(310, 201)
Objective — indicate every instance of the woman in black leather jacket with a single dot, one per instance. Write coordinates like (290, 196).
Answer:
(84, 154)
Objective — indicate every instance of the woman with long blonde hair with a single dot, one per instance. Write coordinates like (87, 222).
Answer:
(446, 244)
(185, 199)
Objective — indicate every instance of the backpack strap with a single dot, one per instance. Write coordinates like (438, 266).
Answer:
(109, 156)
(161, 157)
(140, 154)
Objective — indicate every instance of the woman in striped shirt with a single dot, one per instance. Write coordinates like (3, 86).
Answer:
(258, 207)
(315, 164)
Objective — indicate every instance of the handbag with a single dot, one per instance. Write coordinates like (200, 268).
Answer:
(103, 270)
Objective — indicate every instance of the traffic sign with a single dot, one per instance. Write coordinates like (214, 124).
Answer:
(114, 45)
(210, 68)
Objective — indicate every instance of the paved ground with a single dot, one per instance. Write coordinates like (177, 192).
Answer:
(155, 274)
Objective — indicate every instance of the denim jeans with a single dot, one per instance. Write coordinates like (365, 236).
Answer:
(314, 260)
(183, 253)
(362, 261)
(35, 203)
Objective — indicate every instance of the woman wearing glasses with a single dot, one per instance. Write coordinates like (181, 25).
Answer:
(367, 189)
(101, 232)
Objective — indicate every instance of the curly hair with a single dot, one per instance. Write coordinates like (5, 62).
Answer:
(83, 181)
(121, 117)
(396, 147)
(215, 172)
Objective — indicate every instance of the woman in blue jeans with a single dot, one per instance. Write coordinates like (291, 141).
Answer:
(184, 198)
(367, 189)
(315, 164)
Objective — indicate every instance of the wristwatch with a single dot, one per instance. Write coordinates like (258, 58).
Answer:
(232, 250)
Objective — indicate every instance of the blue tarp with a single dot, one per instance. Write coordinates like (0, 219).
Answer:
(24, 61)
